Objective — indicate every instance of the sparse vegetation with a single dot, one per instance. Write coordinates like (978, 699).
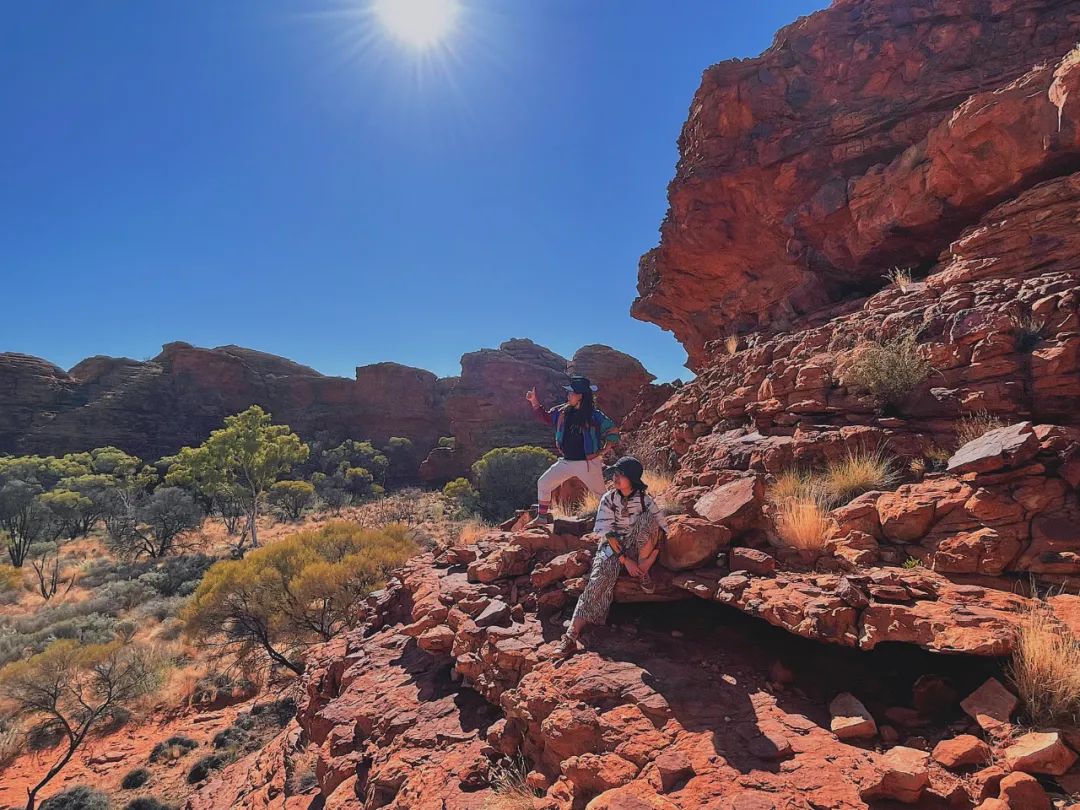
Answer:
(292, 498)
(79, 797)
(888, 370)
(913, 562)
(75, 689)
(973, 425)
(147, 803)
(172, 749)
(1045, 669)
(299, 590)
(731, 344)
(470, 531)
(463, 495)
(201, 769)
(900, 277)
(510, 786)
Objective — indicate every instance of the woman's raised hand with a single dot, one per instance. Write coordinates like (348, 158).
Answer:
(534, 400)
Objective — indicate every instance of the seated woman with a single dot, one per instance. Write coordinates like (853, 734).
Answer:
(632, 528)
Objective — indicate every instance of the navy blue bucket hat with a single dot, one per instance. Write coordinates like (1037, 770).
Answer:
(580, 385)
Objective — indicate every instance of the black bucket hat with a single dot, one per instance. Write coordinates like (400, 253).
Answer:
(631, 468)
(580, 385)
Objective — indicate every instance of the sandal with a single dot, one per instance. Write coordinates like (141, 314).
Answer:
(647, 583)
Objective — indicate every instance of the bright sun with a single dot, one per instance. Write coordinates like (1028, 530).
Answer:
(419, 23)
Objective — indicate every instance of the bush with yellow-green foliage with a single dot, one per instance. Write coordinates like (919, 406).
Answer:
(888, 370)
(301, 590)
(292, 498)
(462, 495)
(506, 477)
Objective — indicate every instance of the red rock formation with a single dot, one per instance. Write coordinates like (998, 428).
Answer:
(154, 407)
(867, 136)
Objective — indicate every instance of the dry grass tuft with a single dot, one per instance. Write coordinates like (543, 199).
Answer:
(802, 521)
(857, 472)
(472, 530)
(1029, 330)
(900, 277)
(918, 467)
(1045, 669)
(508, 784)
(731, 344)
(973, 425)
(793, 484)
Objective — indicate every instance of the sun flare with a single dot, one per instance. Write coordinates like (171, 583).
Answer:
(418, 23)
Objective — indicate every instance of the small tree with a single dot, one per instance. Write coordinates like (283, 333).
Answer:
(297, 591)
(331, 491)
(152, 524)
(74, 688)
(45, 560)
(291, 498)
(403, 460)
(244, 458)
(26, 518)
(506, 478)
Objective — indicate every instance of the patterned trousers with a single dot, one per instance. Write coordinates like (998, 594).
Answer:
(595, 601)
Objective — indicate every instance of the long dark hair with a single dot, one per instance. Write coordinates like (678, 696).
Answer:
(585, 408)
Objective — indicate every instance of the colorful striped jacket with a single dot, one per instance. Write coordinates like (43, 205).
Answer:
(598, 435)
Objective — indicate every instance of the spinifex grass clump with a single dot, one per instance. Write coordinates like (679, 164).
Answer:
(510, 786)
(857, 472)
(1045, 669)
(973, 425)
(888, 370)
(802, 521)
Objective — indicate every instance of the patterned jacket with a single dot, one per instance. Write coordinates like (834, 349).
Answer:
(599, 433)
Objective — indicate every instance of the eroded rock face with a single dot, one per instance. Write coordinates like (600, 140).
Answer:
(868, 135)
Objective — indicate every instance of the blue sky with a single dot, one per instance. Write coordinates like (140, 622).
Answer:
(286, 176)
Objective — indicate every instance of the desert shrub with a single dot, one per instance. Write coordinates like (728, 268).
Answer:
(171, 629)
(231, 737)
(159, 609)
(10, 583)
(172, 749)
(147, 803)
(292, 498)
(973, 425)
(169, 576)
(79, 797)
(32, 633)
(135, 779)
(888, 370)
(463, 496)
(731, 344)
(1029, 331)
(126, 595)
(449, 442)
(201, 769)
(510, 786)
(802, 521)
(153, 524)
(913, 562)
(297, 591)
(1045, 668)
(409, 506)
(506, 478)
(858, 471)
(275, 714)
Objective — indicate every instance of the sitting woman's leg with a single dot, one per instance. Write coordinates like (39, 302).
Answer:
(595, 601)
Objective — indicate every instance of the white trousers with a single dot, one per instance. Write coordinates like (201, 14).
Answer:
(590, 473)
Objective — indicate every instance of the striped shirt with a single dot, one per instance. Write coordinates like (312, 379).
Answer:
(617, 513)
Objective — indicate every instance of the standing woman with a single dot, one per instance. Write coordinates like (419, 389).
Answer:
(582, 433)
(631, 528)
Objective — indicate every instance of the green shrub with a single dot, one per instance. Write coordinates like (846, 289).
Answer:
(888, 370)
(79, 797)
(463, 495)
(292, 498)
(135, 779)
(506, 478)
(448, 442)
